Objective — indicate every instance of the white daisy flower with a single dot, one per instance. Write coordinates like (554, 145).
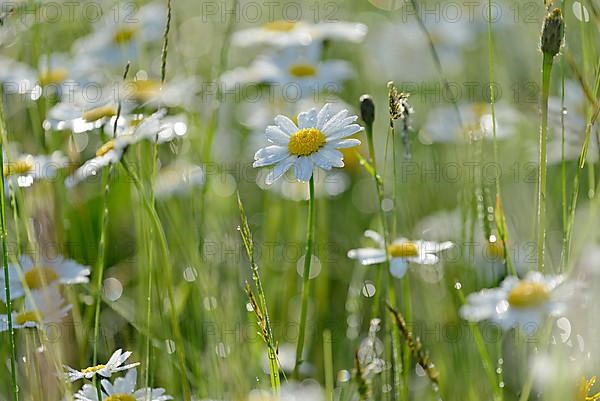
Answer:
(16, 77)
(118, 40)
(313, 142)
(148, 92)
(156, 128)
(178, 179)
(290, 33)
(41, 308)
(400, 252)
(296, 67)
(115, 364)
(83, 112)
(384, 48)
(26, 169)
(443, 125)
(43, 273)
(517, 302)
(123, 389)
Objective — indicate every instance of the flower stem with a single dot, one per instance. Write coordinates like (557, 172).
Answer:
(164, 251)
(98, 388)
(11, 330)
(310, 230)
(541, 212)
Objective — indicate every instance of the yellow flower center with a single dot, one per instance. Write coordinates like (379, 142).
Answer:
(280, 26)
(20, 167)
(96, 114)
(53, 76)
(39, 277)
(124, 35)
(104, 149)
(93, 369)
(306, 142)
(120, 397)
(403, 250)
(302, 70)
(28, 316)
(145, 89)
(527, 294)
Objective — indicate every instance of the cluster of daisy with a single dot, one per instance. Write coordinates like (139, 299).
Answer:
(103, 115)
(122, 389)
(34, 290)
(294, 64)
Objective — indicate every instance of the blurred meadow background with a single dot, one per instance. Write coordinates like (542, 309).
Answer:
(454, 253)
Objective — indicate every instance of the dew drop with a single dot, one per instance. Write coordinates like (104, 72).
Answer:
(458, 285)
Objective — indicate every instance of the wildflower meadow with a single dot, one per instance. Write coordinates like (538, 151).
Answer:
(337, 200)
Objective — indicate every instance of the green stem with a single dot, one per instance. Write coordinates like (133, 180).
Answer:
(98, 388)
(100, 263)
(486, 360)
(541, 212)
(503, 234)
(3, 235)
(396, 359)
(306, 276)
(164, 251)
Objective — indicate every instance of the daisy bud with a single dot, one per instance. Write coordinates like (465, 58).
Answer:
(367, 109)
(552, 32)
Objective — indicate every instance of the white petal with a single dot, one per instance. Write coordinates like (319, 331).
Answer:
(344, 143)
(343, 132)
(334, 122)
(323, 116)
(276, 135)
(286, 124)
(375, 236)
(269, 155)
(303, 167)
(279, 169)
(367, 256)
(308, 119)
(398, 267)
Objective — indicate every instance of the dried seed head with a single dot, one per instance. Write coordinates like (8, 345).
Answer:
(367, 109)
(400, 109)
(552, 32)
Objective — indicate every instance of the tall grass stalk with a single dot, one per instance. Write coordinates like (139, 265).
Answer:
(550, 43)
(3, 234)
(499, 213)
(164, 251)
(368, 116)
(543, 165)
(310, 232)
(261, 310)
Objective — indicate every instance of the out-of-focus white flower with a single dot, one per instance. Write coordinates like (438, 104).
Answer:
(158, 128)
(523, 303)
(41, 307)
(312, 143)
(443, 125)
(148, 92)
(83, 112)
(115, 364)
(290, 33)
(118, 40)
(26, 169)
(39, 274)
(178, 179)
(400, 252)
(123, 389)
(400, 51)
(296, 70)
